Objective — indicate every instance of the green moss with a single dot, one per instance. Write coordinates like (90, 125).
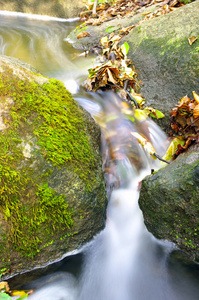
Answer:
(48, 114)
(28, 221)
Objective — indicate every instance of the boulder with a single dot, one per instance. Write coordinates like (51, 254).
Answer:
(52, 191)
(166, 63)
(53, 8)
(169, 200)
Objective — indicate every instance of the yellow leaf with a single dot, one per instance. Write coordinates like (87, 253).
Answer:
(192, 40)
(104, 40)
(140, 115)
(4, 286)
(18, 293)
(173, 147)
(145, 144)
(196, 97)
(140, 100)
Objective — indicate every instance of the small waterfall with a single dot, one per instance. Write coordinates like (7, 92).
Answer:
(114, 262)
(124, 261)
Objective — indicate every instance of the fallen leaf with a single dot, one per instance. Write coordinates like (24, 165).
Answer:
(111, 29)
(4, 286)
(18, 293)
(104, 41)
(146, 13)
(154, 113)
(158, 114)
(196, 97)
(110, 77)
(83, 34)
(196, 111)
(173, 147)
(125, 48)
(192, 40)
(140, 115)
(145, 144)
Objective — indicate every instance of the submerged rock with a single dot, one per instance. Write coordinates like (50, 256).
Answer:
(169, 200)
(52, 192)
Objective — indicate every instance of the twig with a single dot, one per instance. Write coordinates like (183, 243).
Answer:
(95, 8)
(156, 155)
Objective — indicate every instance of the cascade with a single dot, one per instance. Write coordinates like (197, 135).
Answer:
(124, 261)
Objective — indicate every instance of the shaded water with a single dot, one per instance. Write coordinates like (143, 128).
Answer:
(124, 261)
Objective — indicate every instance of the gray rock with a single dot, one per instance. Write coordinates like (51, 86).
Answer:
(97, 32)
(168, 66)
(165, 62)
(53, 195)
(169, 200)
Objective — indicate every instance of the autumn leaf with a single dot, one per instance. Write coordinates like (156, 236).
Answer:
(140, 115)
(104, 41)
(19, 293)
(185, 123)
(154, 113)
(4, 286)
(83, 34)
(196, 97)
(173, 147)
(145, 144)
(196, 111)
(192, 40)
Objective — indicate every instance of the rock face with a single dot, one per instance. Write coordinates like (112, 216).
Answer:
(169, 200)
(166, 64)
(52, 193)
(54, 8)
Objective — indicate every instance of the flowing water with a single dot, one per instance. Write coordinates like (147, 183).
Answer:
(124, 261)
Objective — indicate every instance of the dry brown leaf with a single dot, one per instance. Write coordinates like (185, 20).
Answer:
(196, 111)
(83, 34)
(146, 13)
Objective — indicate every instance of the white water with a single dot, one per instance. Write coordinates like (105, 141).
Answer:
(123, 262)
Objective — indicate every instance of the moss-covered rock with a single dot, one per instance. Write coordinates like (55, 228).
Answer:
(54, 8)
(52, 194)
(169, 200)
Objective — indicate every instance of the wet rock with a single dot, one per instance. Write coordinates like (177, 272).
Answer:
(52, 186)
(169, 202)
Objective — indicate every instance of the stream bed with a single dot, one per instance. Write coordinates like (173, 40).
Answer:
(124, 261)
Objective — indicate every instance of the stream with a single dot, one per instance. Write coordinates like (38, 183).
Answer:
(124, 261)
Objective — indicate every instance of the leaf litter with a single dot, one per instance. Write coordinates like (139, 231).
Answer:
(117, 73)
(184, 125)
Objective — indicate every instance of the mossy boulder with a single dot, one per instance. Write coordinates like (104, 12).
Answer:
(52, 192)
(169, 200)
(54, 8)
